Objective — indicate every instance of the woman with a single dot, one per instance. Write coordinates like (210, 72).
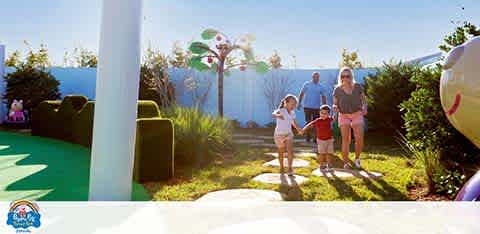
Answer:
(349, 101)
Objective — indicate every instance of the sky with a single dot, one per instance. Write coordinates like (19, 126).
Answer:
(306, 34)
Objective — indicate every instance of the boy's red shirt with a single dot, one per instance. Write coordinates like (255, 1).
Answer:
(324, 128)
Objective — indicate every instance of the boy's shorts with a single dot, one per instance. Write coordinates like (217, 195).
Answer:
(350, 119)
(325, 146)
(281, 139)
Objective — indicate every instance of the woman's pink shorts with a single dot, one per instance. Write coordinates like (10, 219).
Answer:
(350, 119)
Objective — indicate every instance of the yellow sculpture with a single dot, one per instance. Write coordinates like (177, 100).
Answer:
(460, 89)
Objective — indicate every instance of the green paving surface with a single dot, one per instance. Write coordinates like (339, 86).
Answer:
(43, 169)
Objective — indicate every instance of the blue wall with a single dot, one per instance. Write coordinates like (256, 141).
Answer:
(244, 98)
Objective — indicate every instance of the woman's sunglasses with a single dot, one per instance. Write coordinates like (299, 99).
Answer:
(345, 77)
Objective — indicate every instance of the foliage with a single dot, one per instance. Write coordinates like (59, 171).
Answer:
(179, 58)
(427, 126)
(80, 57)
(199, 137)
(212, 55)
(461, 34)
(275, 61)
(31, 82)
(199, 87)
(350, 59)
(385, 90)
(155, 83)
(275, 87)
(426, 158)
(13, 59)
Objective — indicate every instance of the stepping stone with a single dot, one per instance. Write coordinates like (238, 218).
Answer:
(248, 141)
(265, 137)
(295, 155)
(239, 195)
(283, 179)
(344, 173)
(242, 135)
(263, 145)
(296, 163)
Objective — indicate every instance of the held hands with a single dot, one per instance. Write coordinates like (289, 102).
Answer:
(335, 108)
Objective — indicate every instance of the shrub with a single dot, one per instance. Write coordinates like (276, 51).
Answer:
(147, 109)
(428, 127)
(64, 120)
(44, 118)
(32, 85)
(154, 150)
(83, 125)
(385, 90)
(199, 137)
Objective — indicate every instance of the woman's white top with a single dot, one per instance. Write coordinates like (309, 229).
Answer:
(284, 126)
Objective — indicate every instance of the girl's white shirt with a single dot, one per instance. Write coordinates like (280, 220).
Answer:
(284, 126)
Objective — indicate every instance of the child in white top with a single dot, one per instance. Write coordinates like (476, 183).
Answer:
(285, 118)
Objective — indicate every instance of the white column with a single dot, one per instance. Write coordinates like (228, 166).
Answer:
(2, 83)
(116, 101)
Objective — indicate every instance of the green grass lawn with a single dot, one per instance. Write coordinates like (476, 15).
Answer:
(44, 169)
(382, 155)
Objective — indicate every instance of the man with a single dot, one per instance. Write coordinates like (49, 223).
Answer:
(314, 97)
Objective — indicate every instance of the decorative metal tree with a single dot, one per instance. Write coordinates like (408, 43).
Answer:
(216, 58)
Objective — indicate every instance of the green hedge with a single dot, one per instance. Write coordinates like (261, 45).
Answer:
(154, 149)
(83, 125)
(68, 120)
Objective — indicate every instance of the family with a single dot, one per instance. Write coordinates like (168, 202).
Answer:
(348, 101)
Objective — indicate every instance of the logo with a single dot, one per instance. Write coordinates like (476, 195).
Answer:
(23, 215)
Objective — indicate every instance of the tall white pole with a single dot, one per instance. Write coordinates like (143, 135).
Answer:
(2, 83)
(116, 96)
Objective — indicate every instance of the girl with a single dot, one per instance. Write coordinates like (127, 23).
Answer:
(285, 118)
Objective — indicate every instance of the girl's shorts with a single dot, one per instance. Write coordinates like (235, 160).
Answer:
(281, 139)
(350, 119)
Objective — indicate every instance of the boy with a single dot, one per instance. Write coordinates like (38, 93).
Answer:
(323, 125)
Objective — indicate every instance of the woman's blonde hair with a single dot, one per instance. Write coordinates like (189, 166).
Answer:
(287, 98)
(339, 79)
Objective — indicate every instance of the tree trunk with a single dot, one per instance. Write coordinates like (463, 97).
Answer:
(220, 88)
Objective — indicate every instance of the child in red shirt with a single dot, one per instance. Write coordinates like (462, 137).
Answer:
(323, 125)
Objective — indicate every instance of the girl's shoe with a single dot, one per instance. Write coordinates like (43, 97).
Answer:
(357, 163)
(346, 166)
(290, 173)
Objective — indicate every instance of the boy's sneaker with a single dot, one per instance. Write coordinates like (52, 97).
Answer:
(322, 167)
(328, 168)
(357, 163)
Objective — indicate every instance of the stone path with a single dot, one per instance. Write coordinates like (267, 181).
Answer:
(296, 163)
(283, 179)
(242, 195)
(344, 173)
(249, 141)
(295, 154)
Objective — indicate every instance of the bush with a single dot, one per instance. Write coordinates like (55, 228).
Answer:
(32, 85)
(199, 137)
(44, 119)
(385, 90)
(83, 125)
(147, 109)
(428, 127)
(154, 150)
(64, 120)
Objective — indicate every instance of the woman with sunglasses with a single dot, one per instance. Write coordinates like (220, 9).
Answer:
(350, 103)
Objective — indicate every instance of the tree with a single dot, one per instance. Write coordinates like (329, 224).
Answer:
(461, 34)
(179, 57)
(275, 61)
(350, 59)
(155, 83)
(80, 57)
(13, 59)
(213, 58)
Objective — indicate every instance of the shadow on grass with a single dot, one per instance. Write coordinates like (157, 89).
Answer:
(48, 170)
(289, 189)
